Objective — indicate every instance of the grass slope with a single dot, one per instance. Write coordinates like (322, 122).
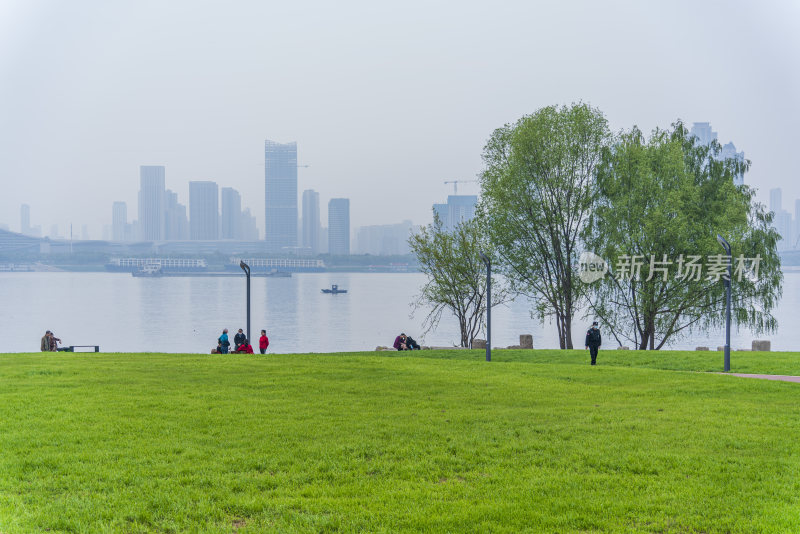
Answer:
(387, 443)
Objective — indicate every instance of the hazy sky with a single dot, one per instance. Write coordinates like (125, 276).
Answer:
(385, 100)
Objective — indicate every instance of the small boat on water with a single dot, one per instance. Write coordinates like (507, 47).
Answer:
(334, 290)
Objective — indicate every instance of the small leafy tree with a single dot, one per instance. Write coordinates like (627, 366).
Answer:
(456, 275)
(660, 203)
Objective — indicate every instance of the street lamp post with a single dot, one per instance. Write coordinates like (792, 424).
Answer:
(488, 264)
(727, 248)
(246, 269)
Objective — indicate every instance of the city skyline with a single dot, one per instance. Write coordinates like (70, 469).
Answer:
(84, 75)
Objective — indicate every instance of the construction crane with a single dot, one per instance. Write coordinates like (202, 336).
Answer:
(456, 182)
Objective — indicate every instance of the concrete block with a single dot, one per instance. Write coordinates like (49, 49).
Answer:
(763, 345)
(513, 347)
(526, 341)
(721, 348)
(478, 343)
(701, 348)
(623, 348)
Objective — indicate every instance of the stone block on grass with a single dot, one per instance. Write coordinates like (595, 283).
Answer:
(478, 343)
(762, 345)
(701, 348)
(526, 341)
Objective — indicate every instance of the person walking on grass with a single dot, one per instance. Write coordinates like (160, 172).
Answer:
(263, 342)
(593, 341)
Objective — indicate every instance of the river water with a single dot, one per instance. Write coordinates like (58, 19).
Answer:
(187, 314)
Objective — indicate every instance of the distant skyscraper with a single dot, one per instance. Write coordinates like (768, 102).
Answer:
(249, 228)
(280, 181)
(231, 214)
(119, 221)
(705, 135)
(176, 222)
(339, 226)
(204, 210)
(459, 208)
(25, 219)
(775, 203)
(311, 225)
(703, 132)
(151, 202)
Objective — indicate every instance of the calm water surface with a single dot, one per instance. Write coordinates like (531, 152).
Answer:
(126, 314)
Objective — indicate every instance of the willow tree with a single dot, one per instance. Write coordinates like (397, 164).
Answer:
(660, 204)
(456, 275)
(536, 195)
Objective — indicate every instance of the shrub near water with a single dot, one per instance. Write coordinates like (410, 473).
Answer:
(350, 442)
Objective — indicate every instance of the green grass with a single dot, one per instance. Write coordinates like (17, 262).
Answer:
(388, 442)
(777, 363)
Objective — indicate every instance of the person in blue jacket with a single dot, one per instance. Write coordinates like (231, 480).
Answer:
(223, 342)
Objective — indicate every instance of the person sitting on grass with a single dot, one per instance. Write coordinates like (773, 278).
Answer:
(400, 342)
(245, 347)
(411, 344)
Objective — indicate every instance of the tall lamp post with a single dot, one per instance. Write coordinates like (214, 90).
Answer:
(727, 248)
(246, 269)
(488, 264)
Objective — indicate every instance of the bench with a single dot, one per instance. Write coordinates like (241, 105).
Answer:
(72, 348)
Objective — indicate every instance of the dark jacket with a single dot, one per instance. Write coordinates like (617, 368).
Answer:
(238, 339)
(411, 344)
(593, 338)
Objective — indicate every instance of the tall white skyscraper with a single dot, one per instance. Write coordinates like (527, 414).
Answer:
(204, 210)
(151, 202)
(280, 190)
(339, 226)
(311, 224)
(119, 221)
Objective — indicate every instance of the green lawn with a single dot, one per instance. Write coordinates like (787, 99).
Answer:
(536, 441)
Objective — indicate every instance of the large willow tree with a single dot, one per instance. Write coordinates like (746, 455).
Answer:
(536, 195)
(660, 204)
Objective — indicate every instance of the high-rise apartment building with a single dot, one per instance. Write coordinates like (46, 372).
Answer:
(151, 202)
(204, 210)
(311, 224)
(280, 195)
(339, 226)
(459, 208)
(119, 221)
(231, 214)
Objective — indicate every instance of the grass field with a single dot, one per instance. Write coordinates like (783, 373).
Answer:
(436, 441)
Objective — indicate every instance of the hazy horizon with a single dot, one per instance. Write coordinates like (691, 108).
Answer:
(385, 102)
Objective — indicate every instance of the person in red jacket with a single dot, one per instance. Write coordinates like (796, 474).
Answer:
(263, 342)
(245, 348)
